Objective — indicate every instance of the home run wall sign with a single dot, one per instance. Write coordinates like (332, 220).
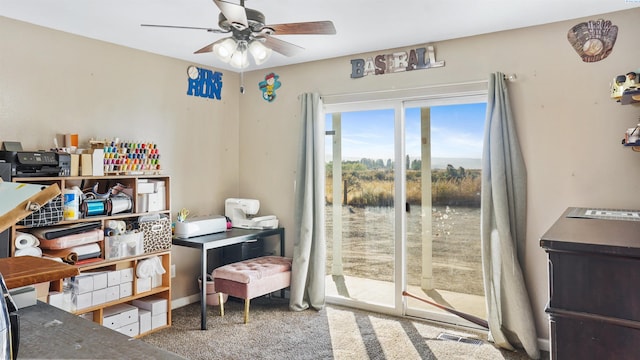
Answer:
(204, 83)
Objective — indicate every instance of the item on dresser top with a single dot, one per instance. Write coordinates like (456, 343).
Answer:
(68, 241)
(49, 214)
(59, 231)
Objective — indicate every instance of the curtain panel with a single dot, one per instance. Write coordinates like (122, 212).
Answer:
(308, 266)
(503, 226)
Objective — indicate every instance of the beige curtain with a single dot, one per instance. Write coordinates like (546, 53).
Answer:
(503, 212)
(308, 267)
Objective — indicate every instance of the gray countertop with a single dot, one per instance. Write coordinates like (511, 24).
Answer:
(47, 332)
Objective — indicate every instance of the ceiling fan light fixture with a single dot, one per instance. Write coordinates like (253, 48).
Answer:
(225, 49)
(249, 34)
(239, 58)
(259, 52)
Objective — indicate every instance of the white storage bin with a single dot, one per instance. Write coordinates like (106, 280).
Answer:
(120, 246)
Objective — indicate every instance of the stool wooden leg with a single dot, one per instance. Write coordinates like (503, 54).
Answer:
(221, 304)
(246, 310)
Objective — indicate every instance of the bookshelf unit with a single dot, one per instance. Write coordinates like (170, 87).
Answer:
(131, 184)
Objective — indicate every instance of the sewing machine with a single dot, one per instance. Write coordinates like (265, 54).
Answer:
(242, 214)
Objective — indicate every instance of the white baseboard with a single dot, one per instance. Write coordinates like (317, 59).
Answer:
(184, 301)
(543, 344)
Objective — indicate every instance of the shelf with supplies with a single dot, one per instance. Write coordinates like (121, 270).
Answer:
(632, 138)
(117, 231)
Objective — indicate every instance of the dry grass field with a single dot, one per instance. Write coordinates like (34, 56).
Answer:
(368, 243)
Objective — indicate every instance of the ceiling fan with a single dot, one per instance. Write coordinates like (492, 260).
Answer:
(250, 34)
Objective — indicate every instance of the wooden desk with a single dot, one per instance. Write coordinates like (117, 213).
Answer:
(47, 332)
(218, 240)
(28, 270)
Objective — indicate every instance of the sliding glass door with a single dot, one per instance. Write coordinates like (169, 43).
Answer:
(360, 197)
(402, 206)
(443, 150)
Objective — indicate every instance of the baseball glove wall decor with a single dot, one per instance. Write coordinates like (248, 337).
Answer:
(593, 40)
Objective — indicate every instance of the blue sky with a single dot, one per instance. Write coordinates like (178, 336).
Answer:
(456, 131)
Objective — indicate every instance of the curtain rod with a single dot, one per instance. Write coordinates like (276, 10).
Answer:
(406, 89)
(507, 77)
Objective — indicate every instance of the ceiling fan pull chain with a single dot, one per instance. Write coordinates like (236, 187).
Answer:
(241, 82)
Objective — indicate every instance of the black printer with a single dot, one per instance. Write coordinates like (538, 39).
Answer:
(37, 163)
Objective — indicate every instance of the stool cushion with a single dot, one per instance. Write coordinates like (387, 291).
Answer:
(253, 269)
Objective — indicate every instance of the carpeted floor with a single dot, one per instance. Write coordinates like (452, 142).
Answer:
(275, 332)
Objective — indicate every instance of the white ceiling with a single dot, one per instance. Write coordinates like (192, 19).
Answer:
(362, 25)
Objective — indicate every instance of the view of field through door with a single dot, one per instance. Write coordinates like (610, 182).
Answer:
(429, 242)
(359, 211)
(443, 182)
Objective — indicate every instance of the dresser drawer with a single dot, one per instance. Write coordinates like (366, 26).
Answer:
(596, 284)
(574, 338)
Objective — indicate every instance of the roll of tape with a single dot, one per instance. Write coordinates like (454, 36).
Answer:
(94, 207)
(120, 204)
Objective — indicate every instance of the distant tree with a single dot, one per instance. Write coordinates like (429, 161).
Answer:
(452, 173)
(461, 173)
(353, 166)
(408, 166)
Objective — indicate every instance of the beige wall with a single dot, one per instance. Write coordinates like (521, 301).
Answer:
(55, 83)
(570, 131)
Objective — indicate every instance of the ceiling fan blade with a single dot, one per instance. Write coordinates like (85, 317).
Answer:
(209, 48)
(310, 28)
(283, 47)
(234, 13)
(186, 27)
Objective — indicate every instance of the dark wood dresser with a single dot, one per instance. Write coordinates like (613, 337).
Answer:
(594, 284)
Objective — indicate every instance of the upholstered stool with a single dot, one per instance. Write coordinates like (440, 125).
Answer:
(251, 278)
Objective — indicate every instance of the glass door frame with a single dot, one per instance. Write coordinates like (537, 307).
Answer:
(397, 307)
(451, 95)
(422, 103)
